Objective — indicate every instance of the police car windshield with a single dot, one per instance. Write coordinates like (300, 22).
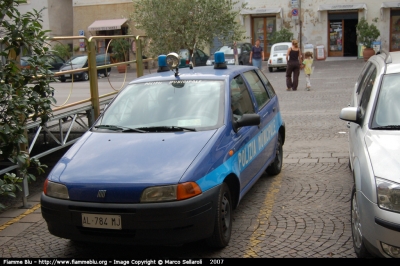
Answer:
(197, 104)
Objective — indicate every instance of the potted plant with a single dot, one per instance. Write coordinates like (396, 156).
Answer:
(367, 33)
(120, 50)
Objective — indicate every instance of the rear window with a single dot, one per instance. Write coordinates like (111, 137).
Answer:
(281, 48)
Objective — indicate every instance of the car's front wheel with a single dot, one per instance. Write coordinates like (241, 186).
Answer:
(356, 226)
(85, 76)
(270, 69)
(223, 219)
(276, 166)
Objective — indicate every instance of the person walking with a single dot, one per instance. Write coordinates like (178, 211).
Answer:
(256, 55)
(235, 53)
(293, 59)
(308, 68)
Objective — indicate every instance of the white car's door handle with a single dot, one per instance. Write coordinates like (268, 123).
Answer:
(348, 124)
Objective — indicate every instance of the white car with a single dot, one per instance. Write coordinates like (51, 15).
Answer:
(374, 148)
(277, 57)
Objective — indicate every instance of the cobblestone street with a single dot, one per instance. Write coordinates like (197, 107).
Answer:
(302, 212)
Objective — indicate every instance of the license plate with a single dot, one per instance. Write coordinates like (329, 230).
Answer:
(279, 60)
(67, 76)
(102, 221)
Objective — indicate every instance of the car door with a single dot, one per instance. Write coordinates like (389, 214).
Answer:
(244, 55)
(361, 100)
(244, 142)
(200, 58)
(267, 110)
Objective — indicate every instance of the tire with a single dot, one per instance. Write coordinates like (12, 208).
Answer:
(358, 242)
(85, 76)
(223, 220)
(107, 73)
(276, 166)
(270, 69)
(63, 79)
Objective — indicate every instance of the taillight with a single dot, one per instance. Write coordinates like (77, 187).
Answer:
(187, 61)
(45, 186)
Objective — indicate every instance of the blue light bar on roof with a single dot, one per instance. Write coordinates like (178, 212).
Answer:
(162, 63)
(219, 61)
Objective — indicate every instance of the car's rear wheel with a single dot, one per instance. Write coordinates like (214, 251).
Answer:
(85, 76)
(356, 226)
(63, 79)
(276, 166)
(223, 219)
(270, 69)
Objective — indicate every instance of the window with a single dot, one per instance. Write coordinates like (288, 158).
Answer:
(258, 88)
(268, 85)
(241, 102)
(362, 81)
(366, 93)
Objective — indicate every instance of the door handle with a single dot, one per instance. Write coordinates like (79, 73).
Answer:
(348, 124)
(273, 109)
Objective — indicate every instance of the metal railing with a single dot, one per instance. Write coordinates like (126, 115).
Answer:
(68, 115)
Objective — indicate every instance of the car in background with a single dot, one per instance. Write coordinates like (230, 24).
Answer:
(81, 61)
(200, 58)
(53, 60)
(169, 159)
(373, 117)
(244, 50)
(277, 57)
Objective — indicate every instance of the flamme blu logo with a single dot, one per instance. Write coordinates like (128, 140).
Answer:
(101, 193)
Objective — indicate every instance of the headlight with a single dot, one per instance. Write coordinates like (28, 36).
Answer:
(230, 61)
(170, 193)
(388, 195)
(55, 190)
(208, 63)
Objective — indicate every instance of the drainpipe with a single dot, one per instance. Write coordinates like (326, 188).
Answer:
(300, 24)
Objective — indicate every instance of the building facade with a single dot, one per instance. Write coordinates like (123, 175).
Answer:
(328, 24)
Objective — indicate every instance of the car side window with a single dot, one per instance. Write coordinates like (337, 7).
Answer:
(369, 84)
(267, 84)
(200, 53)
(364, 83)
(361, 78)
(241, 102)
(257, 88)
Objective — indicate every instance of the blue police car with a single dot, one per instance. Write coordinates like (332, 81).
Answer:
(169, 159)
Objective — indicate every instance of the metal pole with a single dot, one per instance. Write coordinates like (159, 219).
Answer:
(300, 24)
(139, 58)
(94, 89)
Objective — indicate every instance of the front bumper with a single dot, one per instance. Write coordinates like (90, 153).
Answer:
(167, 223)
(378, 226)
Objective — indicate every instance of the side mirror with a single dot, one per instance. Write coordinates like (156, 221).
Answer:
(351, 114)
(247, 120)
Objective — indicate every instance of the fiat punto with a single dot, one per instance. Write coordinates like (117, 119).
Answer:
(169, 158)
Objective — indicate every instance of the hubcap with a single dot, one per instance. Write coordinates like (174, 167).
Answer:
(356, 223)
(225, 216)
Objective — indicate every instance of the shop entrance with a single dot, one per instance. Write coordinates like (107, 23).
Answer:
(263, 28)
(342, 35)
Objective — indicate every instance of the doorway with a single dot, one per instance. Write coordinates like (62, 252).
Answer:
(263, 28)
(342, 36)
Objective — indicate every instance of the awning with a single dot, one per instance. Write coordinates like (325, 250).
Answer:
(260, 11)
(109, 24)
(338, 7)
(389, 5)
(332, 7)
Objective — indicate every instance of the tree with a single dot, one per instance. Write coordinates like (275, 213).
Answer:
(24, 93)
(283, 35)
(62, 50)
(172, 25)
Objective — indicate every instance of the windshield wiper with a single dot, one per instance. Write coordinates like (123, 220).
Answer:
(168, 128)
(122, 128)
(388, 127)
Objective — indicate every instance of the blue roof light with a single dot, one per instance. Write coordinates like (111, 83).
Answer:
(219, 60)
(162, 63)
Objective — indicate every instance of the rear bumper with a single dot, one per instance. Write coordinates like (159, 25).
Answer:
(146, 223)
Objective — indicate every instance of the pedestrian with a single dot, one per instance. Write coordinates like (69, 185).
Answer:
(256, 55)
(293, 59)
(235, 53)
(308, 68)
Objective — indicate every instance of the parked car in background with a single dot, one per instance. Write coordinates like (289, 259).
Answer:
(81, 61)
(169, 159)
(53, 60)
(373, 119)
(277, 57)
(244, 50)
(200, 58)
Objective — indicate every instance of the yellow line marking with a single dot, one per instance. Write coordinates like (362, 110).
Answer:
(19, 217)
(263, 216)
